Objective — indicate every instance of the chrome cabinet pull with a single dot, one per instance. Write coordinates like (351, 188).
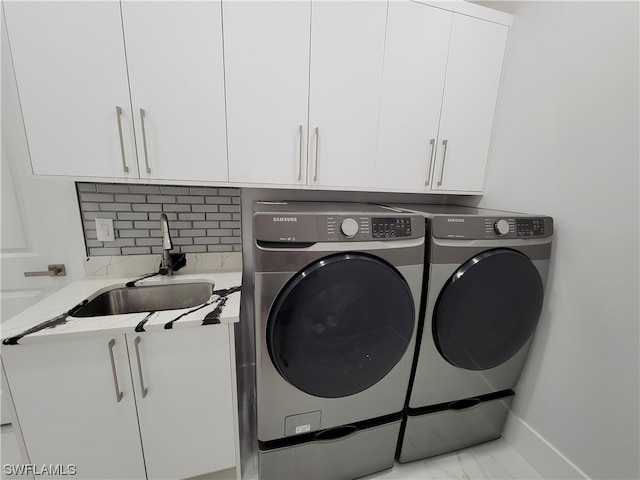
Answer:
(315, 173)
(142, 387)
(432, 150)
(124, 159)
(301, 154)
(119, 394)
(144, 140)
(444, 158)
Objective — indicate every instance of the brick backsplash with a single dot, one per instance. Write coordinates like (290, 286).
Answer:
(201, 219)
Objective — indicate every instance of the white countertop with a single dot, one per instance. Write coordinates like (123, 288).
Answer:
(49, 317)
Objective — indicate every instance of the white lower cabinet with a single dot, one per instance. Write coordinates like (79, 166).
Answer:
(186, 417)
(155, 405)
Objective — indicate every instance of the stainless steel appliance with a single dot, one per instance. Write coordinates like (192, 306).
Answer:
(337, 290)
(482, 300)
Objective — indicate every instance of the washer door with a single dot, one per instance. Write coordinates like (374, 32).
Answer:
(488, 309)
(340, 325)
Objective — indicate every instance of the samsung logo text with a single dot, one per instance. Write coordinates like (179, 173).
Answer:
(285, 219)
(455, 220)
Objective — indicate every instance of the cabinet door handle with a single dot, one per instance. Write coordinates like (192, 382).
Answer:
(124, 158)
(432, 144)
(315, 173)
(142, 387)
(144, 140)
(301, 155)
(119, 394)
(444, 159)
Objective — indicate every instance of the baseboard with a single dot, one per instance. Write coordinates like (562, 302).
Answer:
(547, 460)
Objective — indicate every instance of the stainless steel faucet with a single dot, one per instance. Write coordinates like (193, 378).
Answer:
(166, 267)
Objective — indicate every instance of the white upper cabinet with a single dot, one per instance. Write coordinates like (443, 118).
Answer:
(174, 54)
(73, 77)
(357, 94)
(474, 69)
(440, 87)
(71, 71)
(303, 88)
(415, 64)
(267, 71)
(347, 48)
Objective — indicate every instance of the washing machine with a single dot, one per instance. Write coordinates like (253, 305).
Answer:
(337, 290)
(483, 296)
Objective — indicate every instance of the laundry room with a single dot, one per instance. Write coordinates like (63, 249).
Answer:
(388, 281)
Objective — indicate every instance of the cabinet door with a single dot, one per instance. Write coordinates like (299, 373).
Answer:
(186, 416)
(415, 62)
(267, 71)
(71, 72)
(174, 53)
(67, 405)
(474, 68)
(347, 45)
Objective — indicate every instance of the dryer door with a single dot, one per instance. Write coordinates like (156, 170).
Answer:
(488, 309)
(340, 325)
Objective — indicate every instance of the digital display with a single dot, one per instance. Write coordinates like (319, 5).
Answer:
(391, 227)
(529, 227)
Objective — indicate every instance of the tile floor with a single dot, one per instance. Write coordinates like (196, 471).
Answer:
(491, 460)
(9, 449)
(494, 460)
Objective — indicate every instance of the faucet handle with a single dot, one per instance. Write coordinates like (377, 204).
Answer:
(174, 263)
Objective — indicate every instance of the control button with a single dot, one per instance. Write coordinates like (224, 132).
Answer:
(501, 227)
(349, 227)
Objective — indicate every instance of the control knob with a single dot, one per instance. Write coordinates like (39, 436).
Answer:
(349, 227)
(501, 227)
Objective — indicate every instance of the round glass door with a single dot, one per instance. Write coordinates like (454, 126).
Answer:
(340, 324)
(488, 309)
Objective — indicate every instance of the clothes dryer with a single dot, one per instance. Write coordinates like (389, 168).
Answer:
(483, 296)
(337, 290)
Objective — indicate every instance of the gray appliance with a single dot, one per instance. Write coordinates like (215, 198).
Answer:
(337, 292)
(485, 277)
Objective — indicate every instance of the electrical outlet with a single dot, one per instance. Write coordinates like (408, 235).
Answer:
(104, 227)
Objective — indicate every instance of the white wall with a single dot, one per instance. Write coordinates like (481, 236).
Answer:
(566, 144)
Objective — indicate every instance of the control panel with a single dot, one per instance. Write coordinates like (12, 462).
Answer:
(529, 227)
(282, 225)
(391, 227)
(488, 228)
(499, 227)
(339, 228)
